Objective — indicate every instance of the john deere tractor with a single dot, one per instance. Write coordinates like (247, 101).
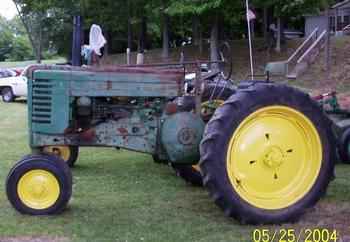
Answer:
(266, 151)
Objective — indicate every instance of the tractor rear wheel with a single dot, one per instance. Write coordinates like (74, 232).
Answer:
(212, 97)
(267, 154)
(39, 185)
(67, 153)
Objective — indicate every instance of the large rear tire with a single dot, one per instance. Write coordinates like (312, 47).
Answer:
(267, 154)
(212, 97)
(39, 185)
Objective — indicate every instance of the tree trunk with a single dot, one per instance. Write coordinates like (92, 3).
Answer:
(252, 30)
(196, 30)
(129, 27)
(142, 37)
(29, 33)
(214, 41)
(165, 53)
(266, 25)
(129, 34)
(108, 45)
(279, 29)
(40, 42)
(200, 43)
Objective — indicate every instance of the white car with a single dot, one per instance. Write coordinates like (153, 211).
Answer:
(12, 86)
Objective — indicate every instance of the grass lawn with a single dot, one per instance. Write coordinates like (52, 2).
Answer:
(124, 196)
(13, 64)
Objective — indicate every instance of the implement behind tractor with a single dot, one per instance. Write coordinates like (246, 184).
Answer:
(266, 151)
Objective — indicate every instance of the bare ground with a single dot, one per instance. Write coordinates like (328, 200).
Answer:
(330, 216)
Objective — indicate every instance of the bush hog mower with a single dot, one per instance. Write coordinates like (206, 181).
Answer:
(266, 151)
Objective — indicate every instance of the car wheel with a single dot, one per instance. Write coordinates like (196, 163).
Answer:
(7, 95)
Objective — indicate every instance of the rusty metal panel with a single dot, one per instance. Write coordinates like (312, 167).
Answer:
(129, 82)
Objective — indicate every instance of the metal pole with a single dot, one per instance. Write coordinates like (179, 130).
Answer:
(250, 41)
(328, 49)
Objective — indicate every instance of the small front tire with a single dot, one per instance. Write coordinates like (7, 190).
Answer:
(39, 185)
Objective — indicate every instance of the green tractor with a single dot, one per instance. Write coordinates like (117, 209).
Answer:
(266, 151)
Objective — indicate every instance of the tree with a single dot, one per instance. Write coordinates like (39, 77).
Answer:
(207, 9)
(6, 38)
(284, 9)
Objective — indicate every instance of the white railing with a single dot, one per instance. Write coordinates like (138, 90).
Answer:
(312, 37)
(301, 49)
(312, 47)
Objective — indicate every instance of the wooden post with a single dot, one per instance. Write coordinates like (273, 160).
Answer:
(266, 25)
(140, 59)
(128, 56)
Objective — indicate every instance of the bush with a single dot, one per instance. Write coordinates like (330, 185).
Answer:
(21, 49)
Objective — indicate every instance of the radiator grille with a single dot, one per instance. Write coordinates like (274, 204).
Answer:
(42, 101)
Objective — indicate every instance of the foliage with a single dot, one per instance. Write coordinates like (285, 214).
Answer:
(14, 43)
(287, 8)
(55, 17)
(21, 49)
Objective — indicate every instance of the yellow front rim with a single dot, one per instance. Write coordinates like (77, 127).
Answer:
(38, 189)
(274, 157)
(61, 151)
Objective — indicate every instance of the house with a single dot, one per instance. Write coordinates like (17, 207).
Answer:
(339, 18)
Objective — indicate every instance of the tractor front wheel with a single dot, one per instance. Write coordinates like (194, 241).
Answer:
(67, 153)
(39, 185)
(268, 154)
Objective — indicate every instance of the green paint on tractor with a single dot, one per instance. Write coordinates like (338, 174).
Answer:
(123, 108)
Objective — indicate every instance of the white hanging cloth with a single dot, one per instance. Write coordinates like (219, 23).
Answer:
(96, 39)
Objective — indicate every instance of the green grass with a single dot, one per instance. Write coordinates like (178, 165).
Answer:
(124, 196)
(14, 64)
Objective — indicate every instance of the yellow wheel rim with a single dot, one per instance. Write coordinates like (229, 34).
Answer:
(61, 151)
(274, 157)
(38, 189)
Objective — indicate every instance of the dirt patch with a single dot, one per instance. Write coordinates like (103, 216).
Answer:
(34, 239)
(330, 216)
